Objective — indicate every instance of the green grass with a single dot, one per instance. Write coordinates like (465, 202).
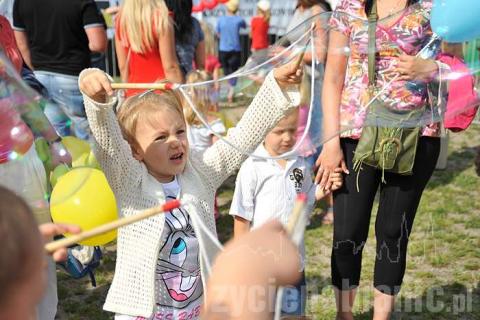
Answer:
(442, 280)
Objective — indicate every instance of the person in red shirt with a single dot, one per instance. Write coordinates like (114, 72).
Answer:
(146, 48)
(259, 26)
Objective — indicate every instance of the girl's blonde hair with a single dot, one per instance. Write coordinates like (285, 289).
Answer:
(265, 13)
(140, 107)
(141, 21)
(211, 48)
(200, 97)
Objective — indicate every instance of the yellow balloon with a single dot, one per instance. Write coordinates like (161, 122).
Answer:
(92, 161)
(78, 149)
(83, 197)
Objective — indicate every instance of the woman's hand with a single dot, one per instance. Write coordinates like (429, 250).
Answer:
(328, 161)
(289, 74)
(96, 85)
(415, 68)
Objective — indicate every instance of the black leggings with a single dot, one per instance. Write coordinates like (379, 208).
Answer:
(399, 199)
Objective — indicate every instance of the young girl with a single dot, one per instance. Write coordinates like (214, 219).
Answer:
(212, 64)
(259, 26)
(160, 271)
(199, 136)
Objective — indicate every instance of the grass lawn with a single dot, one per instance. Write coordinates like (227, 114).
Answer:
(442, 279)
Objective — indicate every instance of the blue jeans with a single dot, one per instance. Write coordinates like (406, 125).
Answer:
(67, 113)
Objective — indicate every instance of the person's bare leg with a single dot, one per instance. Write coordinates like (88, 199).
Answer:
(344, 300)
(382, 305)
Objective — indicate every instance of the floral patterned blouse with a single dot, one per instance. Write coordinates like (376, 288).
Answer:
(406, 32)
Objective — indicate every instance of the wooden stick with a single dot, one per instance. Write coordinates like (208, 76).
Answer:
(65, 242)
(300, 58)
(302, 54)
(297, 211)
(146, 86)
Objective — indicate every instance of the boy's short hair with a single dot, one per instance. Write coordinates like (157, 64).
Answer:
(21, 242)
(135, 108)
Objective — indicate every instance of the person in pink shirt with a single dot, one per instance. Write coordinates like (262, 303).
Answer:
(402, 30)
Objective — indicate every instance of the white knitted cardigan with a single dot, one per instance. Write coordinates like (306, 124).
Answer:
(133, 288)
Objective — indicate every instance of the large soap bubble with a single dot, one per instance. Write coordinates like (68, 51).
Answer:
(227, 98)
(434, 92)
(21, 155)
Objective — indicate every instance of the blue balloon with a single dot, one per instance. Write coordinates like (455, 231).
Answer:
(456, 20)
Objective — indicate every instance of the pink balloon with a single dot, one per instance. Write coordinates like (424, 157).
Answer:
(15, 137)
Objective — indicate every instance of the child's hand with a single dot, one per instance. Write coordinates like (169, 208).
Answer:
(49, 230)
(336, 179)
(96, 85)
(289, 74)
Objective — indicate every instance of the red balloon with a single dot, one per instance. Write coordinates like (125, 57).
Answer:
(209, 4)
(198, 8)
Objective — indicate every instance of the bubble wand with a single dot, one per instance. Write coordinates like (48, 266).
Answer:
(145, 86)
(104, 228)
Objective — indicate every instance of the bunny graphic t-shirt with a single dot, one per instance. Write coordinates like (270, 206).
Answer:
(177, 279)
(178, 283)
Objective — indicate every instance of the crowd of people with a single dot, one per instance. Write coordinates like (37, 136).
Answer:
(152, 147)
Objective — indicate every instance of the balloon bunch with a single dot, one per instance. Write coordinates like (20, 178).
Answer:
(207, 5)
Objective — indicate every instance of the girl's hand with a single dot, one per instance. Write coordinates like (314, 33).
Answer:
(289, 74)
(330, 159)
(96, 85)
(415, 68)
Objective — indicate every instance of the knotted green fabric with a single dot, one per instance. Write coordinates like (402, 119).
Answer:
(389, 138)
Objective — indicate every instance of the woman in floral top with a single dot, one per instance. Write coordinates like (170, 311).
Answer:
(402, 31)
